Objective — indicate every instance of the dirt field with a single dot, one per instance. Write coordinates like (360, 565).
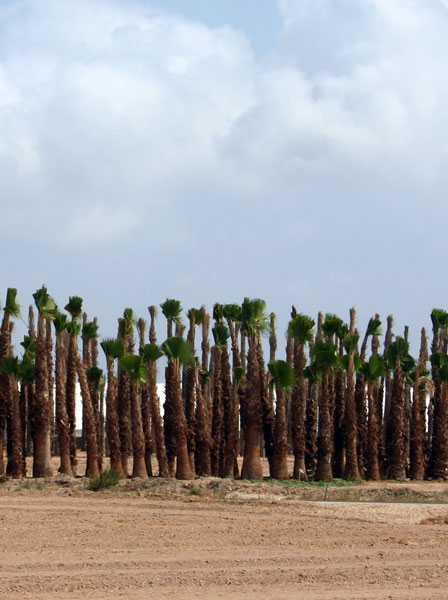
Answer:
(222, 539)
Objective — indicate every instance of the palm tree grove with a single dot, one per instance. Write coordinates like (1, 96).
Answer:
(345, 402)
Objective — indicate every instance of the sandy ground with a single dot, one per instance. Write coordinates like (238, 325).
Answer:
(222, 539)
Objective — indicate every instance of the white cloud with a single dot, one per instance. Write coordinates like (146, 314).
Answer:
(123, 124)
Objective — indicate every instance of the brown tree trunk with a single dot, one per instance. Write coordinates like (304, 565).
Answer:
(138, 439)
(183, 469)
(42, 436)
(203, 442)
(280, 450)
(373, 470)
(112, 429)
(395, 439)
(351, 472)
(92, 469)
(71, 407)
(298, 405)
(62, 421)
(251, 417)
(323, 467)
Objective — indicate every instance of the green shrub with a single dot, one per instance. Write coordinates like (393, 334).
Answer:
(106, 479)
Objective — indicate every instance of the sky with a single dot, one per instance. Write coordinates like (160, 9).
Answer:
(293, 150)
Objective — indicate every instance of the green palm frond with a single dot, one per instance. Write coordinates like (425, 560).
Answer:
(218, 312)
(74, 306)
(374, 327)
(176, 348)
(12, 307)
(73, 328)
(10, 366)
(312, 373)
(301, 328)
(129, 316)
(26, 369)
(113, 347)
(439, 318)
(90, 330)
(344, 360)
(60, 322)
(374, 368)
(282, 374)
(195, 316)
(172, 309)
(220, 335)
(238, 374)
(232, 312)
(29, 345)
(94, 375)
(332, 325)
(151, 352)
(45, 303)
(253, 316)
(350, 343)
(324, 355)
(134, 365)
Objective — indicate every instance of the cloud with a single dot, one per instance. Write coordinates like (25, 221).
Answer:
(140, 133)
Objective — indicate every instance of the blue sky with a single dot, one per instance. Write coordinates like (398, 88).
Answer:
(294, 150)
(260, 20)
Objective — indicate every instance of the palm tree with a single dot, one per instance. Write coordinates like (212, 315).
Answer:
(188, 387)
(373, 328)
(222, 395)
(92, 469)
(134, 365)
(372, 371)
(438, 460)
(417, 447)
(171, 310)
(283, 378)
(126, 335)
(27, 394)
(62, 421)
(178, 352)
(10, 367)
(113, 349)
(203, 438)
(47, 310)
(74, 308)
(90, 358)
(151, 354)
(300, 330)
(399, 361)
(253, 322)
(11, 309)
(324, 355)
(145, 405)
(351, 471)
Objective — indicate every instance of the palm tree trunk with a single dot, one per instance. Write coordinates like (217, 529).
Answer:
(280, 450)
(62, 422)
(251, 417)
(351, 459)
(202, 457)
(138, 439)
(373, 470)
(92, 469)
(323, 467)
(112, 427)
(42, 439)
(298, 406)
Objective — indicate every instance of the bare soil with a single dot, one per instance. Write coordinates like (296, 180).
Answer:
(214, 538)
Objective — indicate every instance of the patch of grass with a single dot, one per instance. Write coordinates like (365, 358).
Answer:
(296, 483)
(106, 479)
(195, 492)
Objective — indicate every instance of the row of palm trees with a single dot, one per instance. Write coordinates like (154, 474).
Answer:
(342, 404)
